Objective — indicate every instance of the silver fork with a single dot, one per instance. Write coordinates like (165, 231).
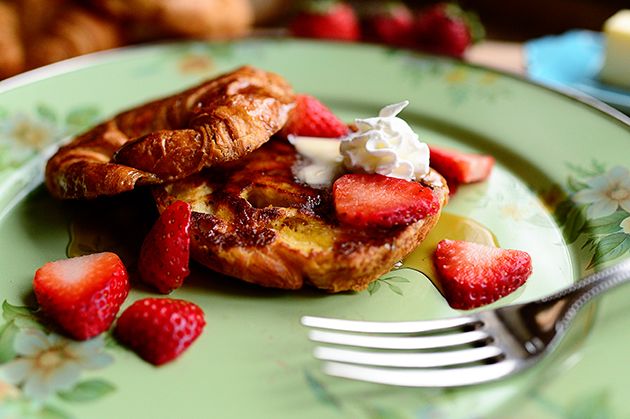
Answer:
(471, 349)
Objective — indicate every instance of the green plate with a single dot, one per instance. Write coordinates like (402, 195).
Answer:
(560, 190)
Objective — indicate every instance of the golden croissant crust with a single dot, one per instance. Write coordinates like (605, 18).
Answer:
(217, 121)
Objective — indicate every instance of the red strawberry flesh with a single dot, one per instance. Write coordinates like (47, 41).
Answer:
(165, 253)
(160, 329)
(82, 295)
(461, 167)
(377, 201)
(392, 24)
(326, 20)
(442, 28)
(473, 275)
(311, 118)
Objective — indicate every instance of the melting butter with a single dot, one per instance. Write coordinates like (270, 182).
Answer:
(321, 162)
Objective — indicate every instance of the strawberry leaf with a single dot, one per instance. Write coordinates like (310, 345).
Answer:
(476, 28)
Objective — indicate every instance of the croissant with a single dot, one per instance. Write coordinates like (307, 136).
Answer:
(217, 121)
(12, 55)
(193, 18)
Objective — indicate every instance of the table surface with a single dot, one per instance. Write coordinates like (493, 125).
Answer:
(505, 56)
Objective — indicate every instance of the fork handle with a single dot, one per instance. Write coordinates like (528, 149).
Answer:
(577, 295)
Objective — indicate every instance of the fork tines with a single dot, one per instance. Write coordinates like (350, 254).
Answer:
(441, 353)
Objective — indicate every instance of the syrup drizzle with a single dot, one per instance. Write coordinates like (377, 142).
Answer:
(453, 227)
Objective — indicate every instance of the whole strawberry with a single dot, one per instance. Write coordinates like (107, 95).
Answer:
(160, 329)
(82, 295)
(311, 118)
(473, 275)
(444, 28)
(390, 23)
(165, 252)
(326, 19)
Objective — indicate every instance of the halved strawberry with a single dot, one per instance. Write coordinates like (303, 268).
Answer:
(371, 200)
(473, 275)
(311, 118)
(165, 252)
(160, 329)
(461, 167)
(83, 294)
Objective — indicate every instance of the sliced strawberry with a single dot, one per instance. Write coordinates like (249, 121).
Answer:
(83, 294)
(473, 275)
(165, 252)
(160, 329)
(390, 23)
(377, 201)
(326, 20)
(311, 118)
(461, 167)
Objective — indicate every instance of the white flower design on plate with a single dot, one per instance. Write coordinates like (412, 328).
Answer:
(625, 225)
(606, 193)
(49, 363)
(29, 132)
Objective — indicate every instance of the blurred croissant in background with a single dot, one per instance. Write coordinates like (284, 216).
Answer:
(39, 32)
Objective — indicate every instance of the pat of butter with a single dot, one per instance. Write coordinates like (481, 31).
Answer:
(616, 69)
(323, 161)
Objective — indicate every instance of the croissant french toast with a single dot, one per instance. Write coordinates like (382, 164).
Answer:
(217, 121)
(210, 146)
(253, 221)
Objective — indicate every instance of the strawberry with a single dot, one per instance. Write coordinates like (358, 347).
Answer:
(473, 275)
(458, 167)
(160, 329)
(390, 23)
(311, 118)
(327, 20)
(371, 200)
(165, 252)
(444, 28)
(83, 294)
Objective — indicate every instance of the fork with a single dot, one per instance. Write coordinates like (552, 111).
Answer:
(471, 349)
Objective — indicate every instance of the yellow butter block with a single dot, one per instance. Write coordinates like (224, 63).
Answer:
(616, 68)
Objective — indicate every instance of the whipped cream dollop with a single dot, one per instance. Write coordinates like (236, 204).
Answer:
(386, 145)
